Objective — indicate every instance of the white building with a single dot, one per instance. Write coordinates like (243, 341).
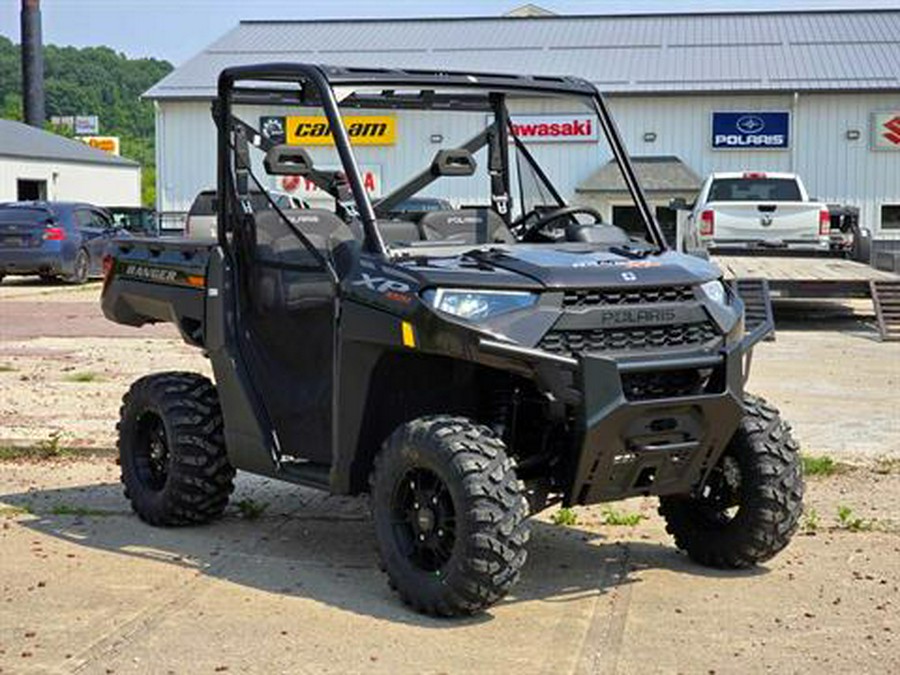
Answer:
(35, 164)
(827, 83)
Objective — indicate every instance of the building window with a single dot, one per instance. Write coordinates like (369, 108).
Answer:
(31, 190)
(890, 216)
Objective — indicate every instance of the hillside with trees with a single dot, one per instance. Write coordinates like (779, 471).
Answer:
(93, 81)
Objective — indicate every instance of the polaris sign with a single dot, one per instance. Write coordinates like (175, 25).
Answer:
(750, 130)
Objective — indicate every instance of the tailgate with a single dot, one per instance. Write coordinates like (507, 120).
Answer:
(760, 221)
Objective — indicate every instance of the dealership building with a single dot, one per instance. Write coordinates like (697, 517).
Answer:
(811, 92)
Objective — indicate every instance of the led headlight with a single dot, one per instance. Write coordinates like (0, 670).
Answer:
(477, 305)
(715, 291)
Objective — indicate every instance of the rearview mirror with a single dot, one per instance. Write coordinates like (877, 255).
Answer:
(286, 160)
(453, 162)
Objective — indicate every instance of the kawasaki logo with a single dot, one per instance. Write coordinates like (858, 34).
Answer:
(151, 273)
(560, 128)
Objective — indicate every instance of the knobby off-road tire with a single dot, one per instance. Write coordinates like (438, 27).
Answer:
(450, 515)
(761, 474)
(172, 450)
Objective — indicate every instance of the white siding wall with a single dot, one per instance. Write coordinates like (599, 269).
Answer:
(67, 181)
(833, 168)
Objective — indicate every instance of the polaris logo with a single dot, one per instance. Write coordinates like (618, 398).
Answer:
(462, 220)
(636, 317)
(151, 273)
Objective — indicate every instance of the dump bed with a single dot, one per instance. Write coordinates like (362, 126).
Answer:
(158, 280)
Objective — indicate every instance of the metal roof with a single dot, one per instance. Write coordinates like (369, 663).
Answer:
(21, 140)
(658, 53)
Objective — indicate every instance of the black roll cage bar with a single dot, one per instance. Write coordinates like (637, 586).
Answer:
(325, 78)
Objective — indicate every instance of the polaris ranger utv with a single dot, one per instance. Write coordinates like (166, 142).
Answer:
(466, 367)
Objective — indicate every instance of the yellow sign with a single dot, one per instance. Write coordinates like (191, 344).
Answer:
(108, 144)
(362, 130)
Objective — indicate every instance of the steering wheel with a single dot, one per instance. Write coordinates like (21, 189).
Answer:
(541, 220)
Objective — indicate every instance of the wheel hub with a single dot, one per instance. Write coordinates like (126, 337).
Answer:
(424, 519)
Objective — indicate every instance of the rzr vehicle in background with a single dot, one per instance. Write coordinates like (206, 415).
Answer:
(464, 366)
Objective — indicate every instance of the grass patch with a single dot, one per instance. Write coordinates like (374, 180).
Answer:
(820, 465)
(83, 377)
(565, 516)
(847, 520)
(13, 511)
(66, 510)
(6, 368)
(810, 523)
(620, 518)
(250, 509)
(47, 448)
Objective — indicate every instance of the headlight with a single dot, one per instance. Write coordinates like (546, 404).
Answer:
(715, 291)
(477, 305)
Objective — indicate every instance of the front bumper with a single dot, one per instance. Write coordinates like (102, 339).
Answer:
(630, 445)
(638, 440)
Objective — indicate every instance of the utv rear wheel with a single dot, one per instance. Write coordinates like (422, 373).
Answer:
(450, 516)
(172, 450)
(750, 505)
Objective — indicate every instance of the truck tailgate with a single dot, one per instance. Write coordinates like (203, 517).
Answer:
(775, 221)
(158, 280)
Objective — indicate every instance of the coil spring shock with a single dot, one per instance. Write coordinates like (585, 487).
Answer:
(503, 407)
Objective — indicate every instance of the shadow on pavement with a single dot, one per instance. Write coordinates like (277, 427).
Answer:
(310, 545)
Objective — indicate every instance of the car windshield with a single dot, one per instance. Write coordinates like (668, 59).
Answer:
(452, 167)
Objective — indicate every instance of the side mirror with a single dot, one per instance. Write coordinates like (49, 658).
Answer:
(453, 162)
(287, 160)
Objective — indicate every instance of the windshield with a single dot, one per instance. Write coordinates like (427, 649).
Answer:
(448, 168)
(754, 190)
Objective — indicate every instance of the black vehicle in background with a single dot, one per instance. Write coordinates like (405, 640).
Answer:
(464, 367)
(55, 240)
(138, 220)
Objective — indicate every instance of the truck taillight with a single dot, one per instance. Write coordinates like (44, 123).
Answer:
(54, 233)
(707, 223)
(824, 222)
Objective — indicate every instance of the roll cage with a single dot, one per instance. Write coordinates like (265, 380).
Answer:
(299, 84)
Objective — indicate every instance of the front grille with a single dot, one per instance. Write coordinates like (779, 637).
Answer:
(588, 297)
(568, 342)
(667, 384)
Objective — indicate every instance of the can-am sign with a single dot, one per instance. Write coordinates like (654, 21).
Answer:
(750, 130)
(315, 129)
(554, 128)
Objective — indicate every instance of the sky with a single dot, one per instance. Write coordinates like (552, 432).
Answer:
(175, 30)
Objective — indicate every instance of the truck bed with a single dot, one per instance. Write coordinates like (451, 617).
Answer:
(154, 280)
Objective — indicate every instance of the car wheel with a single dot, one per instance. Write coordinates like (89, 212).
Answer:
(450, 515)
(172, 450)
(80, 268)
(750, 505)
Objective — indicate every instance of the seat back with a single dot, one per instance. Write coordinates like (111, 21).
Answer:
(467, 226)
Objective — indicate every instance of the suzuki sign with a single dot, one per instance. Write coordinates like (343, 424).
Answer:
(886, 130)
(750, 130)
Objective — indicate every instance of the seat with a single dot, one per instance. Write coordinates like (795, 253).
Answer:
(467, 226)
(288, 275)
(398, 231)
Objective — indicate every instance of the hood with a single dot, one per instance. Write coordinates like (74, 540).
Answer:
(534, 266)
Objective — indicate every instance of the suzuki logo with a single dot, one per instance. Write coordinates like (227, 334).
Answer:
(629, 276)
(750, 124)
(893, 127)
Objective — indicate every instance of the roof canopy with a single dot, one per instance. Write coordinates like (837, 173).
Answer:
(655, 174)
(782, 51)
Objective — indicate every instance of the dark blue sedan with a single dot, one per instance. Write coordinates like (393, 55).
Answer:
(54, 240)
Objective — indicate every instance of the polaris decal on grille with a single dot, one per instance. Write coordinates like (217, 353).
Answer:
(151, 273)
(636, 317)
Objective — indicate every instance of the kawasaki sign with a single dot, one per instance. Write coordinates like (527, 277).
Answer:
(750, 130)
(556, 128)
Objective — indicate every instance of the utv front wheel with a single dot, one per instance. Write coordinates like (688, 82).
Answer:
(450, 516)
(749, 507)
(172, 450)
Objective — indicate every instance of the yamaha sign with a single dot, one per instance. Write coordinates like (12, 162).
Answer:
(750, 130)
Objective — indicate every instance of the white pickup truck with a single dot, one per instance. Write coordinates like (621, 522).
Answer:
(756, 210)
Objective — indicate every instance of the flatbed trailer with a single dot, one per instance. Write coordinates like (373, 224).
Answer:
(821, 277)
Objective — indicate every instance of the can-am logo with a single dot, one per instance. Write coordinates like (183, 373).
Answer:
(553, 128)
(362, 130)
(743, 130)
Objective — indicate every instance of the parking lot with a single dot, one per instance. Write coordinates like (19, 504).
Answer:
(288, 581)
